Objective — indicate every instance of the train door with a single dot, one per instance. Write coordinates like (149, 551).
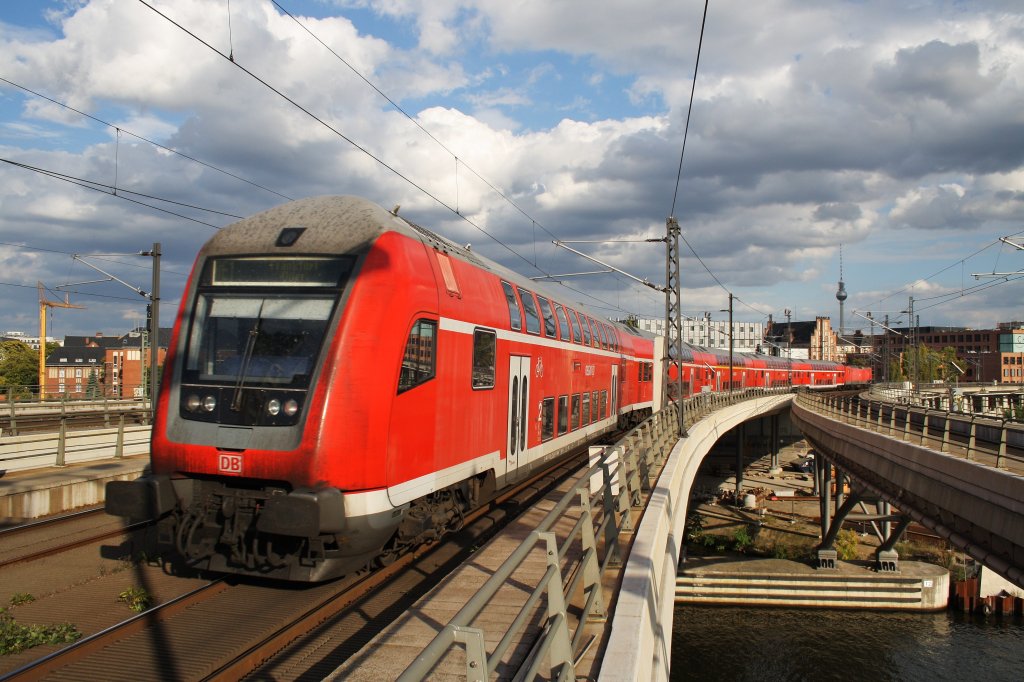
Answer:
(615, 392)
(518, 406)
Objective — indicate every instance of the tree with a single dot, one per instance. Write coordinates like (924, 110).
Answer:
(19, 365)
(92, 386)
(931, 364)
(896, 370)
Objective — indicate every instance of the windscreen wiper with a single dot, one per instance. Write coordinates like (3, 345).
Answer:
(250, 345)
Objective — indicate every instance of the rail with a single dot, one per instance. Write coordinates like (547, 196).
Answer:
(986, 440)
(606, 495)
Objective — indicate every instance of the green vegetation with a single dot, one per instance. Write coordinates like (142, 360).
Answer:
(137, 598)
(741, 540)
(19, 366)
(15, 637)
(931, 365)
(846, 544)
(19, 598)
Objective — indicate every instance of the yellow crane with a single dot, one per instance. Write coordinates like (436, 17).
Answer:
(43, 305)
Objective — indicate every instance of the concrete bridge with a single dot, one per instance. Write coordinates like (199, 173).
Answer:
(960, 477)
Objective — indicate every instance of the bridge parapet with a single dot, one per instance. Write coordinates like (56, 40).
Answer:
(986, 440)
(604, 503)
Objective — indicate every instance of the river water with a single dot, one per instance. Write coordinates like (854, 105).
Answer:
(744, 643)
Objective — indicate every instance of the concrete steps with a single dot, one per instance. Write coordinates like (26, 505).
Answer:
(792, 584)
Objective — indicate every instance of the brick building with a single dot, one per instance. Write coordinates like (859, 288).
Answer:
(118, 364)
(988, 354)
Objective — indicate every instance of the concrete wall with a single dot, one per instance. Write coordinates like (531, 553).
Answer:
(640, 645)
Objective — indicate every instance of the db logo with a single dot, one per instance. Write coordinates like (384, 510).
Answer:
(229, 464)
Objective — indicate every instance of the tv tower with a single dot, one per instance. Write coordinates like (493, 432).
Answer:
(841, 294)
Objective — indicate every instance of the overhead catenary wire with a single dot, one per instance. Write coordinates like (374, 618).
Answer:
(682, 153)
(233, 60)
(335, 131)
(144, 139)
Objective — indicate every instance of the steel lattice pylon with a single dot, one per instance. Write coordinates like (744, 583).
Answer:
(673, 323)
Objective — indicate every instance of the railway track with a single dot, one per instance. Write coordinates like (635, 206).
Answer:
(230, 628)
(54, 535)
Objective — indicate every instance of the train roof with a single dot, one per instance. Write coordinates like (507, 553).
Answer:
(361, 222)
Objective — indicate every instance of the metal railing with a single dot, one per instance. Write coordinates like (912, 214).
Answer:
(606, 495)
(39, 450)
(18, 417)
(987, 440)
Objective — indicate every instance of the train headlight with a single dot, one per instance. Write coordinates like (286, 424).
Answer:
(209, 403)
(290, 408)
(193, 403)
(273, 407)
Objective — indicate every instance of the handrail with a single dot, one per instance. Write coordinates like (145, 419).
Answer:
(622, 473)
(990, 441)
(38, 450)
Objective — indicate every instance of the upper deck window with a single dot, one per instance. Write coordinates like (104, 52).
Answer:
(515, 314)
(576, 336)
(530, 306)
(586, 330)
(549, 318)
(563, 323)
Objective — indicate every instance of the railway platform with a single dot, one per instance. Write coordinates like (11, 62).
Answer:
(40, 492)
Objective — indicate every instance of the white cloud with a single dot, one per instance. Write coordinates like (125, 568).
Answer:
(869, 124)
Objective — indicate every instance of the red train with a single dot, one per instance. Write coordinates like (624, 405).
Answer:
(343, 384)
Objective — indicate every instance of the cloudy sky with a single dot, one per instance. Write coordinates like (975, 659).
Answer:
(894, 129)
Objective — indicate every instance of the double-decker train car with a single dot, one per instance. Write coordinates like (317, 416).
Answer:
(343, 384)
(706, 369)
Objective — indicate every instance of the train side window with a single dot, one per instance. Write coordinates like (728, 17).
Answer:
(585, 417)
(595, 414)
(420, 353)
(484, 353)
(576, 336)
(515, 315)
(604, 404)
(586, 330)
(547, 419)
(575, 416)
(549, 317)
(602, 339)
(563, 414)
(530, 306)
(563, 323)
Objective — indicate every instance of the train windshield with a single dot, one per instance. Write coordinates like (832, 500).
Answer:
(243, 332)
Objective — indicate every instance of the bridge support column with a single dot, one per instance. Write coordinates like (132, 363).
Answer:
(823, 482)
(741, 434)
(827, 555)
(887, 559)
(775, 468)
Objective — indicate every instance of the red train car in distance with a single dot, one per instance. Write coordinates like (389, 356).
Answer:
(343, 384)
